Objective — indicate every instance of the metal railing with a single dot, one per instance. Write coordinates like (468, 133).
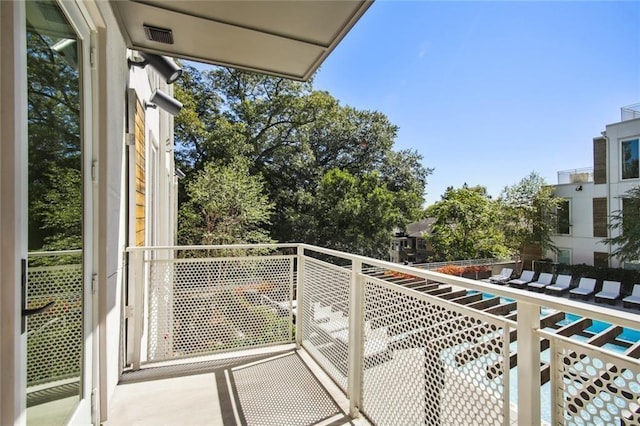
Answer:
(412, 347)
(583, 175)
(630, 112)
(469, 262)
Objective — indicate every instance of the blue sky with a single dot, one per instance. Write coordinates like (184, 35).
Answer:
(489, 91)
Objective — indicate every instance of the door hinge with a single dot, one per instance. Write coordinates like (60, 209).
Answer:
(94, 166)
(94, 283)
(130, 139)
(128, 311)
(92, 57)
(94, 405)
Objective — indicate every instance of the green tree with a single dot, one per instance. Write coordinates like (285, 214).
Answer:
(293, 136)
(466, 225)
(354, 214)
(626, 244)
(529, 213)
(226, 206)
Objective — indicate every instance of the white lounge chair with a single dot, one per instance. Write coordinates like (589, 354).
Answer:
(543, 281)
(610, 292)
(633, 299)
(525, 278)
(563, 283)
(585, 288)
(503, 276)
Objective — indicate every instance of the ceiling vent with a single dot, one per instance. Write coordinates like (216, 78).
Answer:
(161, 35)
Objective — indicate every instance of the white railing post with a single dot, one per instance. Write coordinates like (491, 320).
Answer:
(556, 385)
(299, 296)
(136, 289)
(528, 364)
(356, 338)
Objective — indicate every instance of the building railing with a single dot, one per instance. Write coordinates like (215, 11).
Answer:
(630, 112)
(583, 175)
(413, 346)
(490, 261)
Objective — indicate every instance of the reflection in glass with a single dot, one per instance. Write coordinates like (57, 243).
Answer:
(630, 157)
(54, 338)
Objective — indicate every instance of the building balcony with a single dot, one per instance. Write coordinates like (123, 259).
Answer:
(630, 112)
(583, 175)
(298, 334)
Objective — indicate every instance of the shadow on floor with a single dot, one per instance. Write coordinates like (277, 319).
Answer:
(267, 389)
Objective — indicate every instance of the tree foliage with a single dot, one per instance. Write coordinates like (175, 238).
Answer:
(303, 144)
(226, 206)
(467, 225)
(626, 224)
(55, 183)
(529, 213)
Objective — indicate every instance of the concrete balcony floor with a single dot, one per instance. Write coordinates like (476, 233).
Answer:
(277, 386)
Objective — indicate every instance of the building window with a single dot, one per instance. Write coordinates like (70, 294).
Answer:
(564, 215)
(600, 227)
(630, 157)
(564, 256)
(601, 259)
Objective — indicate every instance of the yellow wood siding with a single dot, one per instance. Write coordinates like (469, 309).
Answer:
(140, 176)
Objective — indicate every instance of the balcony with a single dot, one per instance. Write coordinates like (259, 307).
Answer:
(297, 334)
(582, 175)
(630, 112)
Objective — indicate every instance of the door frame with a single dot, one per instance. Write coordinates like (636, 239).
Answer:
(13, 208)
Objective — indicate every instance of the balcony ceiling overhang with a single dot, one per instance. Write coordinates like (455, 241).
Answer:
(283, 38)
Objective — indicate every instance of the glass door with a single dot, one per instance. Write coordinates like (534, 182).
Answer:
(58, 265)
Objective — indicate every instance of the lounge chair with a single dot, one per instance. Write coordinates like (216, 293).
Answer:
(543, 281)
(562, 284)
(586, 287)
(525, 278)
(633, 299)
(503, 276)
(610, 292)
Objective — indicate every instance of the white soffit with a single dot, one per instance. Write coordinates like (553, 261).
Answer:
(287, 38)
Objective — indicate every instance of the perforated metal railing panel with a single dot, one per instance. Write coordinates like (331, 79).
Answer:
(593, 387)
(281, 391)
(429, 362)
(325, 314)
(203, 306)
(54, 337)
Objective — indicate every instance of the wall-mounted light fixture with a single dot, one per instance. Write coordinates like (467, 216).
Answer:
(163, 64)
(164, 101)
(579, 188)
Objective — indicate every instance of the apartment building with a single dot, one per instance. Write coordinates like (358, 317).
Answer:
(592, 195)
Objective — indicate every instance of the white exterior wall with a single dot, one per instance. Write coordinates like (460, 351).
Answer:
(112, 203)
(581, 241)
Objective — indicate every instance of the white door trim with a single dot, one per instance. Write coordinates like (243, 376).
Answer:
(13, 204)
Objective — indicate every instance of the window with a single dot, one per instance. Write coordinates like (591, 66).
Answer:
(563, 225)
(600, 227)
(601, 259)
(630, 156)
(564, 256)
